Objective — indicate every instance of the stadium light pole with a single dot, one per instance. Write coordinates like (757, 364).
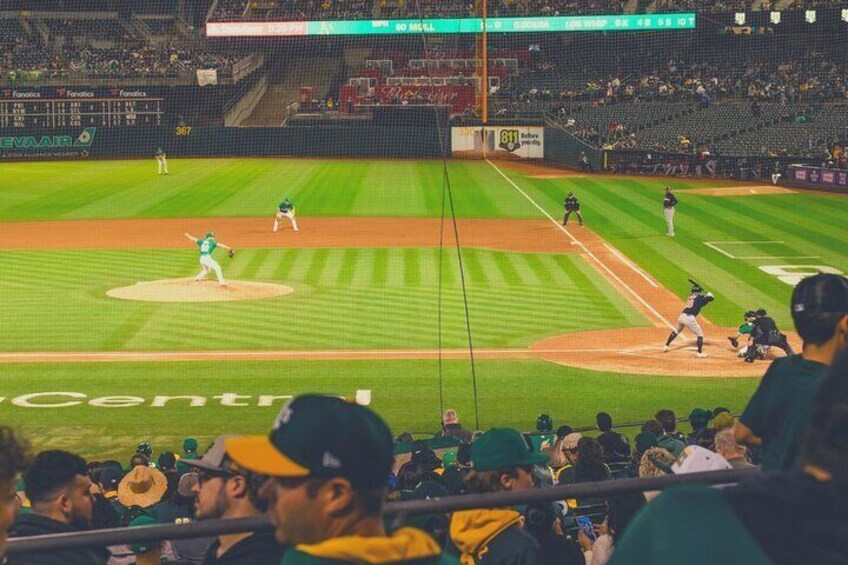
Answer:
(485, 98)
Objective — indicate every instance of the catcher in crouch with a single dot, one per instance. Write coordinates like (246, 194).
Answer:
(765, 334)
(697, 300)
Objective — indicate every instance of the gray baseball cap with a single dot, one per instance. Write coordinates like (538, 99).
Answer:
(215, 459)
(187, 484)
(824, 293)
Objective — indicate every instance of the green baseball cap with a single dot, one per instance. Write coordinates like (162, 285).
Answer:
(645, 441)
(700, 416)
(323, 437)
(210, 234)
(502, 448)
(189, 444)
(143, 547)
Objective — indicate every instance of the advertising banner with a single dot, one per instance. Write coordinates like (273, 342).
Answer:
(819, 177)
(498, 142)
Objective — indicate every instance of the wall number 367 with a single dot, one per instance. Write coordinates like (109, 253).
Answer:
(792, 274)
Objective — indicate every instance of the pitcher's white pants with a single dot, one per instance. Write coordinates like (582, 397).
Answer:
(208, 263)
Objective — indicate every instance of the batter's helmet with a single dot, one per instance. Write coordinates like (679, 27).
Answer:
(696, 288)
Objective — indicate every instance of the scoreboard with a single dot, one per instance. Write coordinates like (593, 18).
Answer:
(81, 112)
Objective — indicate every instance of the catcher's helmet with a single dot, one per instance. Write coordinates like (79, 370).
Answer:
(750, 314)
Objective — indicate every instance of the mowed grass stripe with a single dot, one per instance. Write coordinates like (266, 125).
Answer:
(358, 314)
(627, 213)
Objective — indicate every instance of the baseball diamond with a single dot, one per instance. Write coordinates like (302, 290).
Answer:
(595, 301)
(386, 282)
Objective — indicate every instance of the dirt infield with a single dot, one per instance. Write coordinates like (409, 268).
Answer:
(639, 351)
(190, 290)
(537, 236)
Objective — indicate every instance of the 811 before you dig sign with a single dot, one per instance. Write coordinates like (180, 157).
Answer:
(227, 399)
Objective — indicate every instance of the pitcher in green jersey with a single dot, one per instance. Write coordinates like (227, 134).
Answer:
(207, 246)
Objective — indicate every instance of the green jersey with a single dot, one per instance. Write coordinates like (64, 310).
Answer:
(781, 408)
(286, 206)
(746, 328)
(207, 246)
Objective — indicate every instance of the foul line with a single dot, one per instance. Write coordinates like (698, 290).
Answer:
(624, 260)
(575, 241)
(280, 355)
(719, 249)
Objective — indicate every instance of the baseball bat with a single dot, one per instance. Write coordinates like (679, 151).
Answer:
(695, 283)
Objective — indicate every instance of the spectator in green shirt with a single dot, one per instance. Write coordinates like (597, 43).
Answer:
(780, 408)
(778, 518)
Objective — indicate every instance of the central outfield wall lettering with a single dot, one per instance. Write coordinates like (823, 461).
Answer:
(68, 399)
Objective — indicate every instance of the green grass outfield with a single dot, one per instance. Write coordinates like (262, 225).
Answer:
(372, 298)
(625, 212)
(406, 393)
(360, 298)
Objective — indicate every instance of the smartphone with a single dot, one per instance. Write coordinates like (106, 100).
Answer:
(586, 527)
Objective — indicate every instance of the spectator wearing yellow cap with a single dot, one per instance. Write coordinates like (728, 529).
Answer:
(328, 463)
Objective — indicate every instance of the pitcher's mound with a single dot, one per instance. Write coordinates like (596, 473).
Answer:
(189, 290)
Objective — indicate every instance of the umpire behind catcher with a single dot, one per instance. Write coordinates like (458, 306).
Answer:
(572, 206)
(765, 333)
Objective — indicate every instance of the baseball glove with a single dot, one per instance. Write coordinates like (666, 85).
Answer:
(232, 253)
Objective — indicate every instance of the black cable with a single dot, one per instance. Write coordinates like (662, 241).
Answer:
(446, 191)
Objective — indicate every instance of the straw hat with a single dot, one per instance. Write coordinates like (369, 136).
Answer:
(143, 486)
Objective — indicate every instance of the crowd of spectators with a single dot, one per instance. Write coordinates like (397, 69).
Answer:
(328, 465)
(814, 76)
(112, 56)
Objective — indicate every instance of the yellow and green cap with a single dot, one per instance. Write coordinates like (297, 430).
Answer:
(322, 437)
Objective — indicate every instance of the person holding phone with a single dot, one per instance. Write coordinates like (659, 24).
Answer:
(597, 541)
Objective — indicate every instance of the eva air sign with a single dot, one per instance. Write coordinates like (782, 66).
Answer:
(26, 142)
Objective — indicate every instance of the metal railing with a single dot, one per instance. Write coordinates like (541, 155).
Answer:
(399, 510)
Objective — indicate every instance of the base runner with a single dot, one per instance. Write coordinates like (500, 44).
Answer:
(285, 210)
(694, 303)
(207, 246)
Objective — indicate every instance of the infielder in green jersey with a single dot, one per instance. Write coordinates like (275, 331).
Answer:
(285, 210)
(207, 246)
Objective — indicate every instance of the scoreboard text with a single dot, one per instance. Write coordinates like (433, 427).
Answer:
(89, 112)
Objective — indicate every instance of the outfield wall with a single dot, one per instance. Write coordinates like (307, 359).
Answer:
(563, 149)
(326, 141)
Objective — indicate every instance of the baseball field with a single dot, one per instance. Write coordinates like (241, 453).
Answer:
(107, 341)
